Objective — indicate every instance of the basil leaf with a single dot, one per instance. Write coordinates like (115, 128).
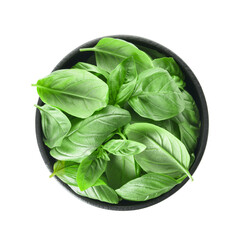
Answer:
(189, 136)
(185, 126)
(124, 147)
(120, 170)
(110, 52)
(138, 169)
(90, 169)
(122, 81)
(180, 83)
(156, 95)
(55, 125)
(102, 193)
(148, 186)
(92, 69)
(103, 154)
(164, 153)
(101, 181)
(170, 126)
(190, 113)
(90, 133)
(75, 91)
(66, 171)
(170, 65)
(187, 123)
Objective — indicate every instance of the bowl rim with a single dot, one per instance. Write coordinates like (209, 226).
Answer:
(202, 106)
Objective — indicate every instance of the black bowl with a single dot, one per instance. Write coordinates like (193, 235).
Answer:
(192, 86)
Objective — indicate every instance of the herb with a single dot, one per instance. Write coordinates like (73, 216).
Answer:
(90, 170)
(124, 129)
(55, 125)
(164, 153)
(122, 81)
(88, 134)
(186, 125)
(110, 52)
(156, 96)
(148, 186)
(102, 193)
(92, 69)
(120, 170)
(73, 91)
(124, 147)
(169, 64)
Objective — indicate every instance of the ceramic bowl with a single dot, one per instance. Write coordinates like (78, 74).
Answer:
(192, 86)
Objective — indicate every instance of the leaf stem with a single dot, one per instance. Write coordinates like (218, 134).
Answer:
(52, 175)
(86, 49)
(34, 85)
(179, 180)
(189, 174)
(121, 134)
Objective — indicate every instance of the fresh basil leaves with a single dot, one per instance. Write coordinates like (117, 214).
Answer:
(55, 125)
(124, 129)
(120, 170)
(110, 52)
(90, 170)
(122, 81)
(74, 91)
(124, 147)
(164, 153)
(150, 185)
(92, 69)
(156, 95)
(88, 134)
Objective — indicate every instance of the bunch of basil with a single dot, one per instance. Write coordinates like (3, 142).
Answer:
(123, 129)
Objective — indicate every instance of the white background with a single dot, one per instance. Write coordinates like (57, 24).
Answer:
(36, 35)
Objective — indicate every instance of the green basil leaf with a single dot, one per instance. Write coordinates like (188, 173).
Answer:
(186, 124)
(180, 83)
(103, 154)
(66, 171)
(110, 52)
(192, 159)
(164, 153)
(170, 126)
(190, 113)
(102, 193)
(122, 81)
(124, 147)
(90, 133)
(101, 181)
(120, 170)
(55, 125)
(75, 91)
(150, 185)
(90, 169)
(138, 169)
(156, 95)
(92, 69)
(169, 64)
(189, 136)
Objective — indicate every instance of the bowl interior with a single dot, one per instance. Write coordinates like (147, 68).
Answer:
(192, 86)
